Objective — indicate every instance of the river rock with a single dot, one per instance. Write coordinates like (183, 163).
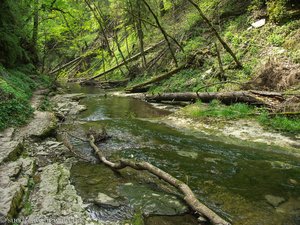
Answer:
(42, 125)
(14, 177)
(259, 23)
(293, 182)
(67, 104)
(193, 155)
(153, 202)
(57, 200)
(291, 206)
(10, 150)
(103, 199)
(274, 201)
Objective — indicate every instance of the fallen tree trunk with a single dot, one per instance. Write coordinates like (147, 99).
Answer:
(105, 84)
(137, 87)
(128, 60)
(189, 196)
(66, 65)
(249, 97)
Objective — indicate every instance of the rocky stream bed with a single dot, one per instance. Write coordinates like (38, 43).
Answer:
(43, 182)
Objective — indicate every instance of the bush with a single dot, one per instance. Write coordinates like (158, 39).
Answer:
(15, 92)
(277, 10)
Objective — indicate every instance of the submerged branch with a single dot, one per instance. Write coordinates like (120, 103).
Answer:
(189, 196)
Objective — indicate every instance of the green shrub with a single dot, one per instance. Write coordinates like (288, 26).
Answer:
(276, 39)
(277, 10)
(15, 92)
(256, 5)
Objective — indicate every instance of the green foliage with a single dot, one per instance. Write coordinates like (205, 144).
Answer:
(137, 219)
(280, 123)
(216, 109)
(240, 111)
(15, 92)
(276, 39)
(256, 5)
(277, 10)
(45, 105)
(182, 81)
(27, 207)
(11, 33)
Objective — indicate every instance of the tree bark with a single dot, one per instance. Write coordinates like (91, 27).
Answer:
(141, 35)
(35, 23)
(162, 31)
(156, 79)
(154, 25)
(222, 76)
(189, 196)
(249, 97)
(66, 65)
(225, 45)
(127, 60)
(101, 26)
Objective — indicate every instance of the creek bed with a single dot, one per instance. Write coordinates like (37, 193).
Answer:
(247, 185)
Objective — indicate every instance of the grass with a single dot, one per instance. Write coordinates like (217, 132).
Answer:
(243, 111)
(27, 207)
(280, 123)
(216, 109)
(45, 105)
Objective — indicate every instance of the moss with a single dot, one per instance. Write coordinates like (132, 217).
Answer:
(137, 219)
(15, 154)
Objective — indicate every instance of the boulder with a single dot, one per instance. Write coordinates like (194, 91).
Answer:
(14, 177)
(103, 199)
(41, 126)
(56, 199)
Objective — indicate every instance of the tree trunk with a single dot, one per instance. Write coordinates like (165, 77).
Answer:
(162, 31)
(35, 23)
(189, 196)
(101, 27)
(267, 99)
(156, 79)
(225, 45)
(66, 65)
(141, 35)
(35, 31)
(222, 76)
(127, 60)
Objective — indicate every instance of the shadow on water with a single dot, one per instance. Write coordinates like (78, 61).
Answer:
(251, 185)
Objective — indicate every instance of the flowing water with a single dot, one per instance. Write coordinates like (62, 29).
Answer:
(246, 185)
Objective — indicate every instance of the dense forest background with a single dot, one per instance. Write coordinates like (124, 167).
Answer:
(208, 41)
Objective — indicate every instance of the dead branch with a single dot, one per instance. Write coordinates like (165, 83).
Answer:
(135, 57)
(189, 196)
(69, 146)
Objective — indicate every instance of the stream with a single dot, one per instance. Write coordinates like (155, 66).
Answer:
(246, 185)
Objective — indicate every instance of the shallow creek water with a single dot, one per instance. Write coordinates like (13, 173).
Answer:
(246, 185)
